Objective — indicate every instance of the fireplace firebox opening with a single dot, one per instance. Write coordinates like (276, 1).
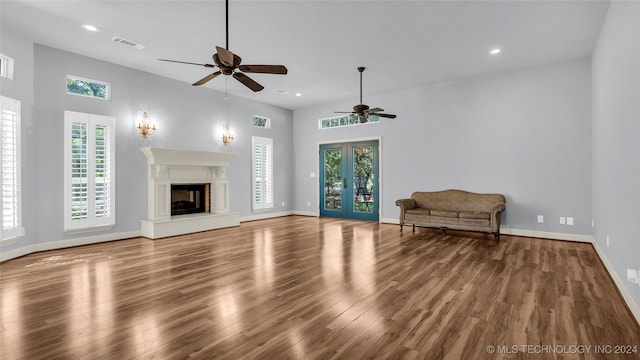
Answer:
(189, 199)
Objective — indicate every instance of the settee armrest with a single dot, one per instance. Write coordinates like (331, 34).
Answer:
(495, 217)
(498, 208)
(406, 204)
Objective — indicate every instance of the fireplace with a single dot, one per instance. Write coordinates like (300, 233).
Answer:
(189, 199)
(187, 192)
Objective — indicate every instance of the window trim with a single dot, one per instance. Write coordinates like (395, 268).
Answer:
(10, 235)
(267, 178)
(78, 78)
(92, 222)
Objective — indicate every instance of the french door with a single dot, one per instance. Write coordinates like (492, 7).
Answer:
(349, 186)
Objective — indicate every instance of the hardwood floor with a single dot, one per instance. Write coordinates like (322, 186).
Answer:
(309, 288)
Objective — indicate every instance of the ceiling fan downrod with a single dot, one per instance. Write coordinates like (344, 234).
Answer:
(361, 69)
(226, 7)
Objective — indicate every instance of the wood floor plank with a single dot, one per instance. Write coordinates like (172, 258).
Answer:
(312, 288)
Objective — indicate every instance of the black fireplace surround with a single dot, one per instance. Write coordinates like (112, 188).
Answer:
(188, 198)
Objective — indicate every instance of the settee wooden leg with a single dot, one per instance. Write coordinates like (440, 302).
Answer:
(444, 231)
(401, 228)
(496, 235)
(414, 227)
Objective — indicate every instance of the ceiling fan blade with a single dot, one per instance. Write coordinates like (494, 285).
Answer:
(236, 60)
(373, 110)
(390, 116)
(264, 69)
(248, 82)
(190, 63)
(206, 78)
(344, 112)
(225, 56)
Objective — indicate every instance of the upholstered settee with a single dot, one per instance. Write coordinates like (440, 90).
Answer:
(453, 209)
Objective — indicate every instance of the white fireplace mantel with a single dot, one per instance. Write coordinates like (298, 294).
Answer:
(176, 166)
(165, 156)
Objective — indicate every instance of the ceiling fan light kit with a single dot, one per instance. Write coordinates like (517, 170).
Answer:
(228, 63)
(362, 110)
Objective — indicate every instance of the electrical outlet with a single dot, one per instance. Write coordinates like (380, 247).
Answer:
(593, 223)
(607, 240)
(283, 204)
(563, 220)
(632, 276)
(570, 221)
(308, 203)
(540, 219)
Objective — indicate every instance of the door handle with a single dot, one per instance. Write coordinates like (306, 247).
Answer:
(345, 183)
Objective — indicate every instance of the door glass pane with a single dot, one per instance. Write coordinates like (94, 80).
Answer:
(333, 179)
(363, 179)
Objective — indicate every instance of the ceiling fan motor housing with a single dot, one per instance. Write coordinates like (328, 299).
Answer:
(360, 108)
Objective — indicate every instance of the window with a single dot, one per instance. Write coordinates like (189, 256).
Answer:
(88, 87)
(6, 67)
(10, 182)
(345, 120)
(261, 121)
(262, 160)
(89, 181)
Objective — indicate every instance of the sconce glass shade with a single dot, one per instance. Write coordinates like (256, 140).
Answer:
(145, 127)
(227, 136)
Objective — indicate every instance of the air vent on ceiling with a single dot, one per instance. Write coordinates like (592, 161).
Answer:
(122, 41)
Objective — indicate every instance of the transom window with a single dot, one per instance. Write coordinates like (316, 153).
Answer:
(87, 87)
(261, 121)
(345, 120)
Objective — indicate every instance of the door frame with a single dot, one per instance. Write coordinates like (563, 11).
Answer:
(350, 140)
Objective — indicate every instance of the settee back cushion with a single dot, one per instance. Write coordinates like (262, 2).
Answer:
(456, 200)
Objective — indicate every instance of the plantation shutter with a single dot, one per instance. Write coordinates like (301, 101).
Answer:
(262, 177)
(89, 185)
(10, 180)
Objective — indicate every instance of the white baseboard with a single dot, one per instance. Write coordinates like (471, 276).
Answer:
(305, 213)
(266, 215)
(15, 253)
(547, 235)
(622, 287)
(61, 244)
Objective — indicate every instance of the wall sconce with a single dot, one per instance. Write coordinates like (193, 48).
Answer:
(227, 136)
(145, 127)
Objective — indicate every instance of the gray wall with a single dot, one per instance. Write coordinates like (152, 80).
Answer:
(187, 118)
(21, 88)
(525, 134)
(616, 125)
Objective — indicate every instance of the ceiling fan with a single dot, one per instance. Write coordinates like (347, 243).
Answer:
(228, 63)
(363, 110)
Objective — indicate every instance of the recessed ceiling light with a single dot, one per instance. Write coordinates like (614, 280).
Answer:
(90, 28)
(298, 94)
(495, 51)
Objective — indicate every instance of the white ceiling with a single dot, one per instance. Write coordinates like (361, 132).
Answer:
(403, 44)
